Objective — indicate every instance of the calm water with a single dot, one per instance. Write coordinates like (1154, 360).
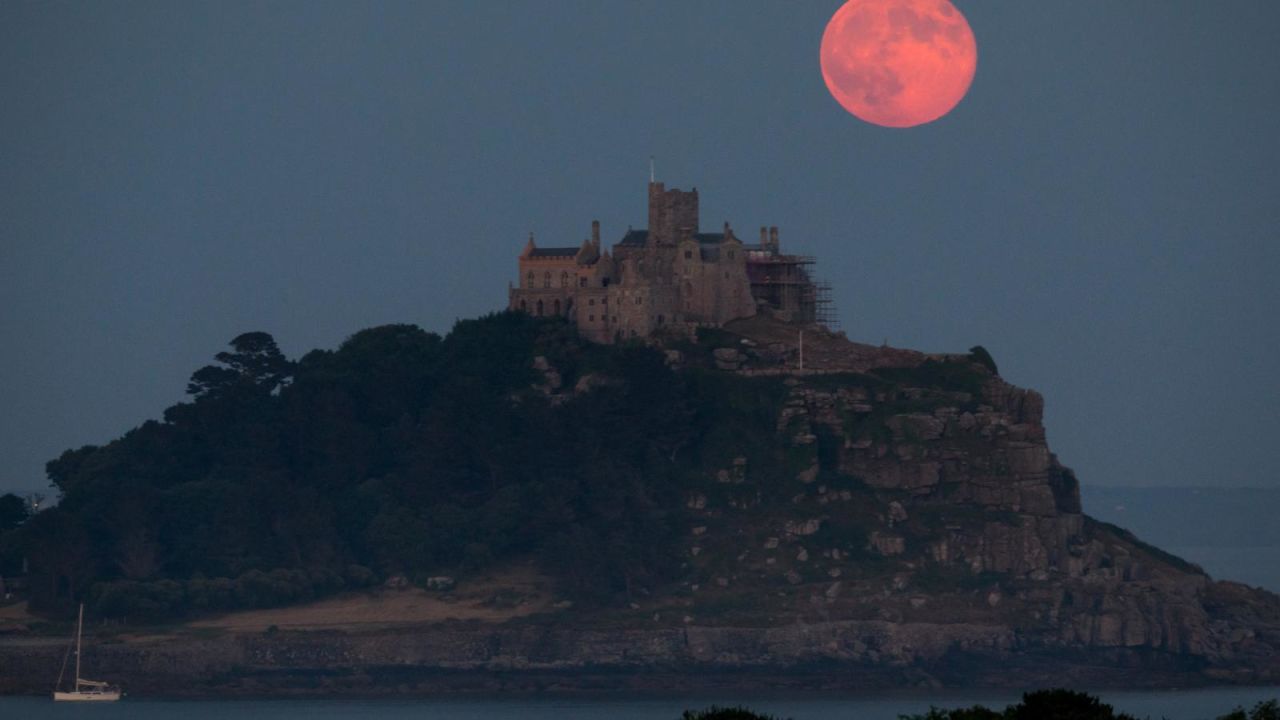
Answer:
(1174, 705)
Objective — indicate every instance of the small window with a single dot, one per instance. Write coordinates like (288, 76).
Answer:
(591, 301)
(604, 301)
(592, 318)
(688, 254)
(546, 281)
(564, 279)
(660, 319)
(582, 281)
(639, 300)
(604, 282)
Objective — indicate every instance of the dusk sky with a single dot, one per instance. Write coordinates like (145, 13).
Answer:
(1101, 211)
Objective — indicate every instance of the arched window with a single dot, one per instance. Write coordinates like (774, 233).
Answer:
(660, 319)
(523, 307)
(582, 281)
(539, 307)
(557, 307)
(529, 281)
(564, 279)
(546, 279)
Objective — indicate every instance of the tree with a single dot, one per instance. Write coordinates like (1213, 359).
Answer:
(979, 354)
(13, 511)
(729, 713)
(1269, 710)
(256, 364)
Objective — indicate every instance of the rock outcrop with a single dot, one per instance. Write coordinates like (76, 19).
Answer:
(919, 531)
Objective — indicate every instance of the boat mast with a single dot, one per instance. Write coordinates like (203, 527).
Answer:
(79, 627)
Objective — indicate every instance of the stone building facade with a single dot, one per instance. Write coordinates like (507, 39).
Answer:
(668, 276)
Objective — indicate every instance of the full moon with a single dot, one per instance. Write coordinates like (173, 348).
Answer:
(898, 63)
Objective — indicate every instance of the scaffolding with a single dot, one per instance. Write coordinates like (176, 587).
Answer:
(785, 283)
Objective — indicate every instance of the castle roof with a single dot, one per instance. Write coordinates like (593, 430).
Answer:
(554, 252)
(637, 238)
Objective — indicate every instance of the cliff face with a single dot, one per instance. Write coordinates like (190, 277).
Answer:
(971, 522)
(917, 530)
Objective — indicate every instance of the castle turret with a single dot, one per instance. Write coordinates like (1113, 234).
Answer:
(670, 212)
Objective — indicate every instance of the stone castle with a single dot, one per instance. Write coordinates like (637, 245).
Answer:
(669, 276)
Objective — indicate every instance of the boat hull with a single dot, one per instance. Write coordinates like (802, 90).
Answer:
(108, 696)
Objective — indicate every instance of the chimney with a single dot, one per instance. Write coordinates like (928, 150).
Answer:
(773, 238)
(764, 238)
(595, 234)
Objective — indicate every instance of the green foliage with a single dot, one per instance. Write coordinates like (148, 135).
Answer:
(1269, 710)
(730, 713)
(1092, 524)
(979, 354)
(1056, 704)
(257, 365)
(977, 712)
(400, 452)
(13, 512)
(950, 375)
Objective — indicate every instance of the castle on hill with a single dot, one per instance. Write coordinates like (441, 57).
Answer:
(668, 276)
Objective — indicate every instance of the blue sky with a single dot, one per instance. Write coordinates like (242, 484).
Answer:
(1100, 212)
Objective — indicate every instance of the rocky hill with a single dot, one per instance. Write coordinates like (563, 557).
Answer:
(880, 518)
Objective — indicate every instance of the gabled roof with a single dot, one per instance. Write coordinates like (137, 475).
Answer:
(554, 252)
(637, 238)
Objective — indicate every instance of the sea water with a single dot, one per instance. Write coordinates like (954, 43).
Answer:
(1202, 704)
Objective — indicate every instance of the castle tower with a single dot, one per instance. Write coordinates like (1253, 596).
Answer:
(672, 213)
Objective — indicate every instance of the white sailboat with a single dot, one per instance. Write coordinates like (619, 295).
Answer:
(85, 690)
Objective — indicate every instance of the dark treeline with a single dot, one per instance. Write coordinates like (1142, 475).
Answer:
(400, 452)
(1058, 704)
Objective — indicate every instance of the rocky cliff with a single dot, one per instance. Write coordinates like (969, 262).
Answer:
(918, 531)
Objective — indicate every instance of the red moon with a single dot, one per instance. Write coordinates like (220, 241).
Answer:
(898, 63)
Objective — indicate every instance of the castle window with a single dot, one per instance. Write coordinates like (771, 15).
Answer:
(660, 319)
(529, 281)
(582, 281)
(539, 307)
(523, 307)
(546, 281)
(591, 301)
(688, 254)
(592, 318)
(564, 279)
(604, 282)
(639, 300)
(604, 301)
(557, 307)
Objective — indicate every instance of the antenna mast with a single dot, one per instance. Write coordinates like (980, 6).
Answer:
(79, 627)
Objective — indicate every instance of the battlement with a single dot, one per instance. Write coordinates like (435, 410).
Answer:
(668, 277)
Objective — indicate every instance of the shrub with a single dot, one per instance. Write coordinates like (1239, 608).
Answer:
(719, 713)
